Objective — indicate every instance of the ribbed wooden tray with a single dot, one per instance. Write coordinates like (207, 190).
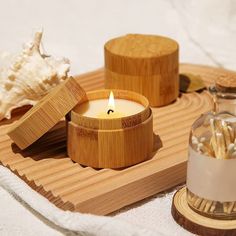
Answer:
(47, 169)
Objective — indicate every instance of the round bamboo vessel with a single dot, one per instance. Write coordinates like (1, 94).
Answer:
(146, 64)
(111, 143)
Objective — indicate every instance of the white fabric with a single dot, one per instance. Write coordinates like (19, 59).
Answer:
(76, 222)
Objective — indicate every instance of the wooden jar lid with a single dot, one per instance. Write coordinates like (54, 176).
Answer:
(226, 82)
(196, 223)
(136, 54)
(46, 113)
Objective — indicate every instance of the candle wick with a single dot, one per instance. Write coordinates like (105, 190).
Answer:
(110, 110)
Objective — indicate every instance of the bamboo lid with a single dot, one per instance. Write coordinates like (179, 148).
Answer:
(137, 54)
(46, 113)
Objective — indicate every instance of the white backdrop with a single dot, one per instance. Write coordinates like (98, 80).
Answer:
(205, 30)
(78, 29)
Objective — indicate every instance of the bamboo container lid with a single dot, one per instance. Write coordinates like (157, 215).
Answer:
(147, 64)
(46, 113)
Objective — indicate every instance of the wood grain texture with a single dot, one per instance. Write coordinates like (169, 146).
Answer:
(113, 143)
(113, 148)
(146, 64)
(46, 113)
(197, 223)
(46, 167)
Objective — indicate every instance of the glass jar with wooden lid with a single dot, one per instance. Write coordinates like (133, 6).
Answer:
(211, 171)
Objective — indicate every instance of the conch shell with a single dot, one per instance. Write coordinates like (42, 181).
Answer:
(26, 78)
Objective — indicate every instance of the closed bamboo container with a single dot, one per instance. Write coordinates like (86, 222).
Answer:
(111, 143)
(146, 64)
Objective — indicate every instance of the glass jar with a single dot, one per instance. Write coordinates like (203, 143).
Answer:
(211, 171)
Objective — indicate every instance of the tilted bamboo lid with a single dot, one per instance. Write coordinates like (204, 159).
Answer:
(46, 113)
(137, 54)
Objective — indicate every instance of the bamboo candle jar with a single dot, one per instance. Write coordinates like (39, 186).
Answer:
(102, 142)
(146, 64)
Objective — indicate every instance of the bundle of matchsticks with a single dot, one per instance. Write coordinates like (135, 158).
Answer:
(221, 145)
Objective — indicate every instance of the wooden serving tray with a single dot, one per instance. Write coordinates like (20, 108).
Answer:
(47, 169)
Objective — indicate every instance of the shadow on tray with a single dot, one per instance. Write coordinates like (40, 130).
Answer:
(53, 145)
(50, 145)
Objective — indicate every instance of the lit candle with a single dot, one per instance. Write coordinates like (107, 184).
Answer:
(109, 108)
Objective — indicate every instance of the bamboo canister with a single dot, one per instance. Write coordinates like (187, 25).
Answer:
(111, 143)
(146, 64)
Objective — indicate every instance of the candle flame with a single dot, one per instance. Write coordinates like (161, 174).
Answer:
(111, 102)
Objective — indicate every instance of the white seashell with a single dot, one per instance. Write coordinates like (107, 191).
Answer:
(26, 78)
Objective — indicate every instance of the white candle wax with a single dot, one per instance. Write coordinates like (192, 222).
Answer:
(98, 108)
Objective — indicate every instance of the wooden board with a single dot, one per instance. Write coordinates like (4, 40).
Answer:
(47, 169)
(196, 223)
